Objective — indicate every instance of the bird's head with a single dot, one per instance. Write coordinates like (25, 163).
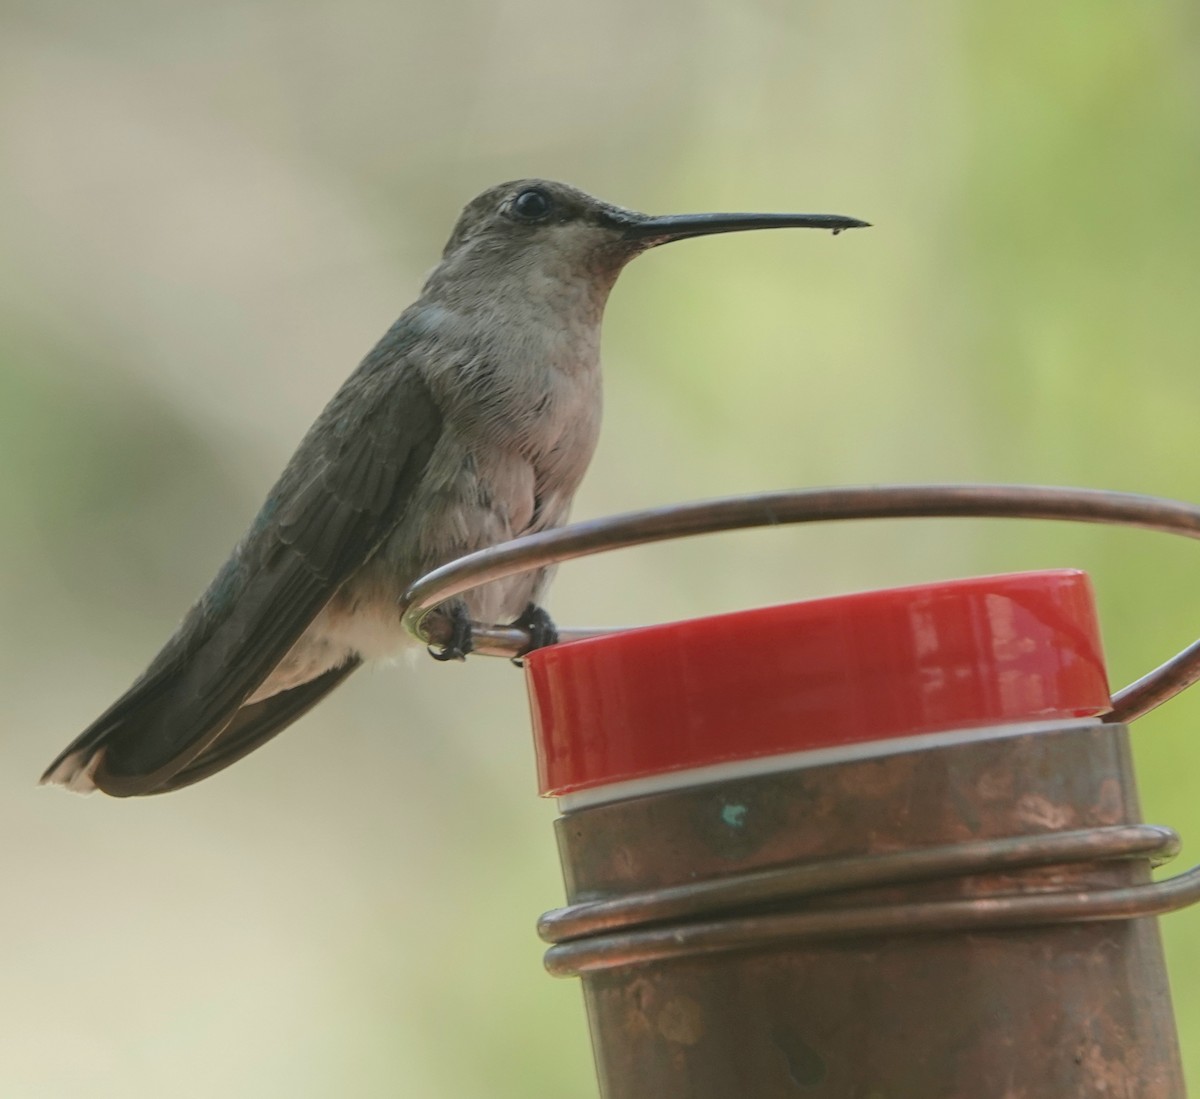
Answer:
(537, 237)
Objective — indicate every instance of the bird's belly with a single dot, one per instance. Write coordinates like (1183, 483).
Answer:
(474, 498)
(370, 630)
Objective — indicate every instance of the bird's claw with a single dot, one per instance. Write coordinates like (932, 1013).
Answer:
(460, 642)
(541, 629)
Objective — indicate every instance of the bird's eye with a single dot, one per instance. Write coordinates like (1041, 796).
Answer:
(532, 205)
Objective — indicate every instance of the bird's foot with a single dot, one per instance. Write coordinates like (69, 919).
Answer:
(541, 629)
(460, 643)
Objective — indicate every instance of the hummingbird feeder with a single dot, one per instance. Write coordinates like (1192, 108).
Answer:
(884, 844)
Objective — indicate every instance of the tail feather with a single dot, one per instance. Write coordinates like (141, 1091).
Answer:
(252, 726)
(74, 770)
(139, 716)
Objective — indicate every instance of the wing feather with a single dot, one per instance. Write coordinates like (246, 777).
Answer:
(344, 491)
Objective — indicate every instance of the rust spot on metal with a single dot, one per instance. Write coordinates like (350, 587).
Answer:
(1044, 813)
(681, 1020)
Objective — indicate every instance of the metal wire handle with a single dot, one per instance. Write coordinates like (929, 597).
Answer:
(1079, 505)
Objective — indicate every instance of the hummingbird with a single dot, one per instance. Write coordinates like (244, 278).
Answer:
(471, 422)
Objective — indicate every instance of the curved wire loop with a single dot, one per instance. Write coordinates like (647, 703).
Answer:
(1079, 505)
(805, 881)
(817, 902)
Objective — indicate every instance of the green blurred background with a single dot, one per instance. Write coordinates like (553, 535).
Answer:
(209, 212)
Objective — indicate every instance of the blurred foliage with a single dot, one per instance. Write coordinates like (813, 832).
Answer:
(210, 211)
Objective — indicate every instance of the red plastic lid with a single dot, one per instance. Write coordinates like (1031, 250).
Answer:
(984, 651)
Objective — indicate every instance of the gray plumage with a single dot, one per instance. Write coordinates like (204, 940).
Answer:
(471, 422)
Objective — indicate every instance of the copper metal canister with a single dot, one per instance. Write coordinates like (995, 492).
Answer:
(873, 847)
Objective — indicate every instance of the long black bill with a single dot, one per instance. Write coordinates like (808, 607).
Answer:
(660, 230)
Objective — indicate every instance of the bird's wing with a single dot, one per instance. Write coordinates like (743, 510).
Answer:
(345, 489)
(252, 726)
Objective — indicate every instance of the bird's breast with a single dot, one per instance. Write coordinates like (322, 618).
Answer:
(521, 406)
(532, 390)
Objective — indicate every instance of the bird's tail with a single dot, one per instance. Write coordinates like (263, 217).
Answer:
(135, 728)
